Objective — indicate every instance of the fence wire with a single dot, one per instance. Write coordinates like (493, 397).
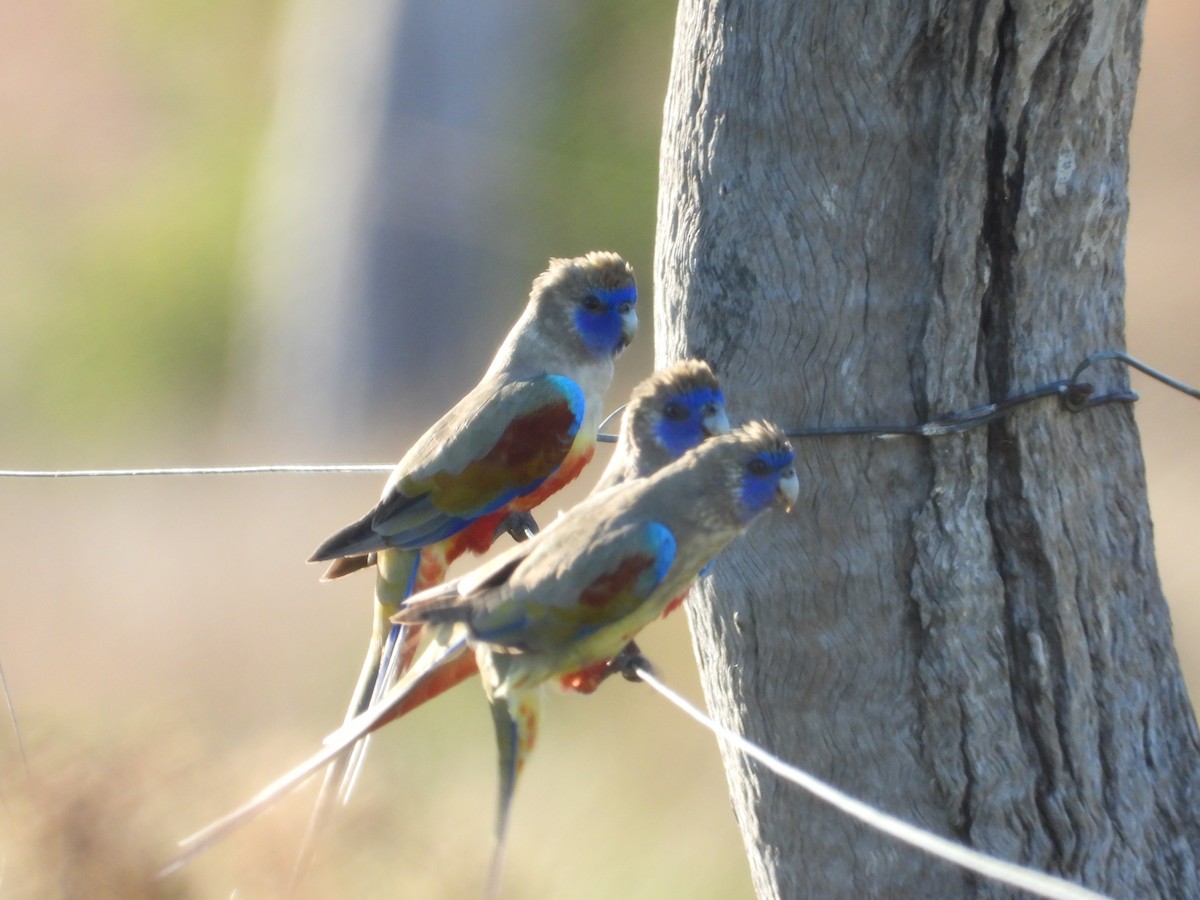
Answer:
(1074, 394)
(981, 863)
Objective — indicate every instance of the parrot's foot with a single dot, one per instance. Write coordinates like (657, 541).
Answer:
(521, 525)
(628, 662)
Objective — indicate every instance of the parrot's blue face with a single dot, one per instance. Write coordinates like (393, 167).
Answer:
(607, 319)
(688, 418)
(767, 475)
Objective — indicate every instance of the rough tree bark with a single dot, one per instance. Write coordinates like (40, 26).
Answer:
(878, 211)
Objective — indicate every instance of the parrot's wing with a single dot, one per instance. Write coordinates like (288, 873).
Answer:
(440, 601)
(499, 442)
(561, 589)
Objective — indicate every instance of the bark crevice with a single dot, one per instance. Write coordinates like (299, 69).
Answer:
(925, 215)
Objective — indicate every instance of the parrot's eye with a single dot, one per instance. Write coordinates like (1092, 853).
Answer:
(592, 303)
(675, 411)
(758, 467)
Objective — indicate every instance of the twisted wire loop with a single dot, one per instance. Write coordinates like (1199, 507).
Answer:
(1074, 394)
(1142, 367)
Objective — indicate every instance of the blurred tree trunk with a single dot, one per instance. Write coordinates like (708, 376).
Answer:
(875, 211)
(373, 231)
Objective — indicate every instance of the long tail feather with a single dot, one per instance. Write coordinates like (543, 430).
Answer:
(398, 653)
(12, 717)
(336, 771)
(349, 768)
(335, 744)
(515, 716)
(491, 890)
(454, 672)
(400, 574)
(382, 678)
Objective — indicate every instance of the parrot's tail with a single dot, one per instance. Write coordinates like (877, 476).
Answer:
(342, 773)
(389, 655)
(436, 655)
(398, 652)
(515, 716)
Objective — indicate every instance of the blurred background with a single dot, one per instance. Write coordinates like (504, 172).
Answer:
(255, 232)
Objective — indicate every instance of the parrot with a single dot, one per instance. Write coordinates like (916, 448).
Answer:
(668, 413)
(523, 432)
(571, 596)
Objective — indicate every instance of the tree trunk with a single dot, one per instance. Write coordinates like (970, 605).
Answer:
(880, 212)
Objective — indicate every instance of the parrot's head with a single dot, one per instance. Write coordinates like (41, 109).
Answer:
(592, 300)
(756, 467)
(672, 411)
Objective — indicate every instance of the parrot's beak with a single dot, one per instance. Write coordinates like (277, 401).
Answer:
(629, 327)
(716, 422)
(789, 489)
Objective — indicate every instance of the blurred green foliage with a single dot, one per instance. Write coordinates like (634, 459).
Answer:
(134, 158)
(126, 177)
(598, 132)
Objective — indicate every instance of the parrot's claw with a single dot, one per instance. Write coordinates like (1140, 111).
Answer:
(521, 525)
(628, 662)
